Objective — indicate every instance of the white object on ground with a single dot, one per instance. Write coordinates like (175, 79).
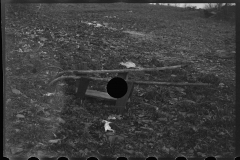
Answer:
(111, 117)
(128, 64)
(49, 94)
(107, 126)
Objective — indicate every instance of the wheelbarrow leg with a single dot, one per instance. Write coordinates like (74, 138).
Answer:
(82, 83)
(121, 102)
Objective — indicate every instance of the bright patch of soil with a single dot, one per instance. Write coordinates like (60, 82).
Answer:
(140, 35)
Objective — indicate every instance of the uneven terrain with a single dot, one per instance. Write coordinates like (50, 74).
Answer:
(164, 121)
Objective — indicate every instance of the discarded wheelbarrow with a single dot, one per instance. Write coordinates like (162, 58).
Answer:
(82, 81)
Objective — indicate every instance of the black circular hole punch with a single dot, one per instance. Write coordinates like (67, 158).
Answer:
(117, 87)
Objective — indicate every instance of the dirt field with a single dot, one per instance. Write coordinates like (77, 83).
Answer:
(163, 121)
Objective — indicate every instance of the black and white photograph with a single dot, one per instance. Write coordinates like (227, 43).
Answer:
(119, 80)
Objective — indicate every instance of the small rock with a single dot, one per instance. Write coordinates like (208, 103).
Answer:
(8, 100)
(188, 101)
(20, 116)
(60, 120)
(221, 85)
(233, 52)
(45, 119)
(105, 24)
(16, 91)
(224, 54)
(15, 150)
(54, 141)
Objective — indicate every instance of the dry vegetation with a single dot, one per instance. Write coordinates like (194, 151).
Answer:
(163, 121)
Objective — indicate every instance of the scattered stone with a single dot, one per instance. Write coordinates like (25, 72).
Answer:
(20, 116)
(225, 54)
(221, 85)
(15, 150)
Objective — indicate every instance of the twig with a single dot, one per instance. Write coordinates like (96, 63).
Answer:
(119, 70)
(47, 68)
(136, 82)
(155, 107)
(39, 7)
(51, 67)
